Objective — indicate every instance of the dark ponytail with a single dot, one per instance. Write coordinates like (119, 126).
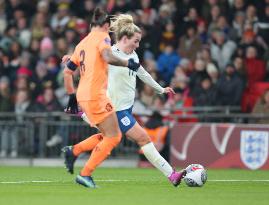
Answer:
(100, 17)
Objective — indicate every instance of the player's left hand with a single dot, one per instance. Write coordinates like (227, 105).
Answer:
(65, 58)
(72, 106)
(169, 90)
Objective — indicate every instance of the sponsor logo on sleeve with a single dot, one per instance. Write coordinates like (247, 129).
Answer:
(107, 41)
(125, 121)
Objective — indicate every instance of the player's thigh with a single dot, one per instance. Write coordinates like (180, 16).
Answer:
(109, 126)
(138, 134)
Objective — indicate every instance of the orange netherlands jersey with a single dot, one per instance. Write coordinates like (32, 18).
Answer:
(93, 68)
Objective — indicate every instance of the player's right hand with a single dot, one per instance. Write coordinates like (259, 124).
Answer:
(132, 65)
(169, 90)
(72, 106)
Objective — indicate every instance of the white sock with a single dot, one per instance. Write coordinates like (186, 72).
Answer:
(156, 159)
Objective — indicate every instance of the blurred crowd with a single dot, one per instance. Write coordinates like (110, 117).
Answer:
(212, 52)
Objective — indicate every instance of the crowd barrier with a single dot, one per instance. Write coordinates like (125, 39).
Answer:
(218, 139)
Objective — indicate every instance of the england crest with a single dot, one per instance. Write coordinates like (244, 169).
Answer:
(254, 148)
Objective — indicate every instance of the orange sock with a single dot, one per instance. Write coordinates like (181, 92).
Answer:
(100, 153)
(87, 144)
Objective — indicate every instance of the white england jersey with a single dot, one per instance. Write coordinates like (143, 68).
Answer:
(122, 81)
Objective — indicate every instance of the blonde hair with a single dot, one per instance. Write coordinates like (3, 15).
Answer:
(123, 25)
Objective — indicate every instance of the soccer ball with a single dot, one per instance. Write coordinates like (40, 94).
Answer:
(196, 175)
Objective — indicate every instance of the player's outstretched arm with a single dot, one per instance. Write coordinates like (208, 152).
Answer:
(147, 79)
(113, 60)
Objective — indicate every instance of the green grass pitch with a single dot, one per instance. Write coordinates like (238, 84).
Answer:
(122, 186)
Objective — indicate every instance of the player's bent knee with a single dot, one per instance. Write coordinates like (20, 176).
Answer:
(143, 140)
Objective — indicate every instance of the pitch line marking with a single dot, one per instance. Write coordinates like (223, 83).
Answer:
(239, 180)
(126, 180)
(40, 181)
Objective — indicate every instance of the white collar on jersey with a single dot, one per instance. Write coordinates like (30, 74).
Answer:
(119, 50)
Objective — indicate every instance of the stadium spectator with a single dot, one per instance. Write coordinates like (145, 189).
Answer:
(46, 48)
(205, 94)
(263, 25)
(24, 33)
(147, 12)
(197, 75)
(238, 25)
(213, 73)
(5, 95)
(250, 39)
(147, 95)
(262, 107)
(214, 15)
(202, 32)
(177, 103)
(3, 22)
(251, 16)
(24, 104)
(255, 68)
(229, 88)
(240, 69)
(166, 63)
(6, 132)
(165, 14)
(209, 4)
(237, 5)
(190, 43)
(205, 55)
(222, 49)
(61, 18)
(168, 36)
(84, 9)
(223, 26)
(51, 104)
(38, 26)
(180, 80)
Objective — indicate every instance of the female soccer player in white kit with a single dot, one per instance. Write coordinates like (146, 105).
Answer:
(121, 91)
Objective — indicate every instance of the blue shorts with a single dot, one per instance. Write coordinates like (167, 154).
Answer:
(125, 119)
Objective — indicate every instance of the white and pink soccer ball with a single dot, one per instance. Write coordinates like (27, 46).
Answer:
(196, 175)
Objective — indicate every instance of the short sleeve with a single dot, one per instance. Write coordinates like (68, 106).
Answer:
(104, 43)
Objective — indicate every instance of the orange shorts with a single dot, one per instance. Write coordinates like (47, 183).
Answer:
(97, 110)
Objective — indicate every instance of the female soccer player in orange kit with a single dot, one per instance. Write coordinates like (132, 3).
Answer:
(92, 56)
